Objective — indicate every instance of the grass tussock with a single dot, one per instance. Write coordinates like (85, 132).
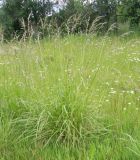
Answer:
(71, 98)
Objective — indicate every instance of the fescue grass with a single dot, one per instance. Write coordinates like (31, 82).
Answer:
(76, 98)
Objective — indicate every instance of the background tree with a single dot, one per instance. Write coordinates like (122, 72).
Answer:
(107, 9)
(131, 10)
(24, 16)
(15, 13)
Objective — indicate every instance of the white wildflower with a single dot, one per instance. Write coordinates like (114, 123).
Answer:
(124, 108)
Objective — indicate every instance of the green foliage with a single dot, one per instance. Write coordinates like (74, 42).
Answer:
(131, 10)
(108, 10)
(75, 17)
(19, 15)
(30, 18)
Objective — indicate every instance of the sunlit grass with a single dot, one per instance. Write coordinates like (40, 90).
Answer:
(71, 98)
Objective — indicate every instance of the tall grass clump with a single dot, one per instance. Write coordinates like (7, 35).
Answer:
(71, 98)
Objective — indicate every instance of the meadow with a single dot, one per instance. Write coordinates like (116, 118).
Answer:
(71, 98)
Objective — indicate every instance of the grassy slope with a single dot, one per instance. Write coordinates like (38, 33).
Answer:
(72, 98)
